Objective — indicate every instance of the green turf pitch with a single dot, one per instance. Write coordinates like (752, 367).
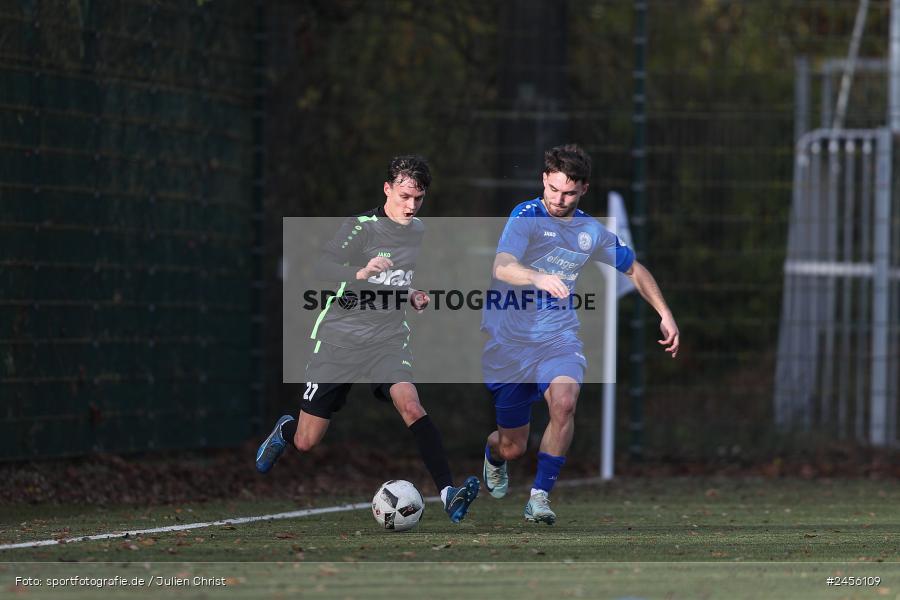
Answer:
(785, 528)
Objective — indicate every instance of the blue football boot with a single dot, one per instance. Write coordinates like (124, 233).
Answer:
(460, 498)
(272, 447)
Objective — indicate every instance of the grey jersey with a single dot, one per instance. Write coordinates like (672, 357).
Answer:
(344, 321)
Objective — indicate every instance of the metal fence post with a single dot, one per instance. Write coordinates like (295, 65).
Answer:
(639, 224)
(878, 425)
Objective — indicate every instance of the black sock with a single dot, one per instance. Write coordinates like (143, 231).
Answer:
(431, 447)
(288, 430)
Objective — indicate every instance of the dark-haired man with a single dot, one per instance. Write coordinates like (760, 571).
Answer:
(534, 353)
(373, 253)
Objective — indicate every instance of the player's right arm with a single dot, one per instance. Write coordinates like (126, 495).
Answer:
(376, 265)
(513, 243)
(509, 270)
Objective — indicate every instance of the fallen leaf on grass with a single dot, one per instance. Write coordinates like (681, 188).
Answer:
(327, 570)
(407, 554)
(285, 535)
(711, 493)
(441, 546)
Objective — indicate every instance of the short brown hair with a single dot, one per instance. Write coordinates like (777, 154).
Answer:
(570, 160)
(410, 166)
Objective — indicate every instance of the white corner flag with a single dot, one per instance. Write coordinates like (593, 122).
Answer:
(620, 226)
(617, 285)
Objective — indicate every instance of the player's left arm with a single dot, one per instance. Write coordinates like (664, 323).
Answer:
(648, 288)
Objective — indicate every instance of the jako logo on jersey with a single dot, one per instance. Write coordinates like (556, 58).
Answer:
(398, 278)
(549, 234)
(584, 240)
(385, 254)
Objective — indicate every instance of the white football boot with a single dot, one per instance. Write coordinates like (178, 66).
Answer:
(496, 479)
(538, 509)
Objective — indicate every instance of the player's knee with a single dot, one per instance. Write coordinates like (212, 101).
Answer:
(511, 449)
(563, 406)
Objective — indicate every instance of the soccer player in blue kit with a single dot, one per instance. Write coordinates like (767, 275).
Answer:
(533, 351)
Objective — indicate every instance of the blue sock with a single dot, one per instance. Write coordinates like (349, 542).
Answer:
(490, 458)
(547, 471)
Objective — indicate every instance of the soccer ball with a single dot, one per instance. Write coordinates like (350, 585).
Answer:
(397, 505)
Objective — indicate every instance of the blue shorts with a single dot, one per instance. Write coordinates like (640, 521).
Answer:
(533, 368)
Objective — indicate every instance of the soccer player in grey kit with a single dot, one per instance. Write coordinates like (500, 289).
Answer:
(374, 253)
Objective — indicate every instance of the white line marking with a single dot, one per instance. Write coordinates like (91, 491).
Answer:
(238, 521)
(296, 514)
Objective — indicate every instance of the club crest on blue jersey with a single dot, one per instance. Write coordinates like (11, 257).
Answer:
(584, 241)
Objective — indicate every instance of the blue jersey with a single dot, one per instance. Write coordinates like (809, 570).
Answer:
(548, 245)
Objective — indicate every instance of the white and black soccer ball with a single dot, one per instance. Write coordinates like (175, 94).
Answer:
(397, 505)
